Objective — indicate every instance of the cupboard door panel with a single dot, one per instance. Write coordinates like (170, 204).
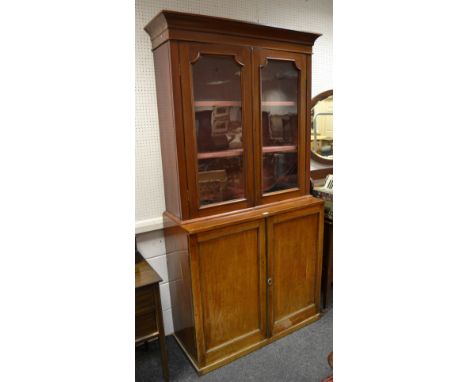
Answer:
(281, 128)
(216, 92)
(229, 264)
(294, 266)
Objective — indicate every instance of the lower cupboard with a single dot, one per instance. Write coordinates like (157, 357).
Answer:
(243, 281)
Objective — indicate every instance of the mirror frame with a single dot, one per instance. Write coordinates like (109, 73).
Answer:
(319, 97)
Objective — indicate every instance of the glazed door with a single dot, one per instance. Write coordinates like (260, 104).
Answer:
(229, 281)
(217, 107)
(294, 267)
(280, 111)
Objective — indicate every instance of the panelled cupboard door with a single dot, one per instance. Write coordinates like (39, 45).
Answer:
(280, 124)
(294, 267)
(229, 283)
(217, 108)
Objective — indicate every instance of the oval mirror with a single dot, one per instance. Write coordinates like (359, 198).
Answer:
(322, 127)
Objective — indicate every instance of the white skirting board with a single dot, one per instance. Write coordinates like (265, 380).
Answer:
(148, 225)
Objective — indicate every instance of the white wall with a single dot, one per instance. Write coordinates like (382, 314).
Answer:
(306, 15)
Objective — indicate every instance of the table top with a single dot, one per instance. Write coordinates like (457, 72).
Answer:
(145, 275)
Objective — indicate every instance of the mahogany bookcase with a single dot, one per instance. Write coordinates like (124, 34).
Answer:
(243, 235)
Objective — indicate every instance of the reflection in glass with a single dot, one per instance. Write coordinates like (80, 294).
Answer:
(322, 128)
(279, 81)
(218, 124)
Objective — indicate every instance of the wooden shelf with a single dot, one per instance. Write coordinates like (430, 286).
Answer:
(278, 103)
(221, 154)
(216, 103)
(279, 149)
(238, 103)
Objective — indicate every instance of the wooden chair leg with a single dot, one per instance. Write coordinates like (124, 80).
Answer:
(162, 337)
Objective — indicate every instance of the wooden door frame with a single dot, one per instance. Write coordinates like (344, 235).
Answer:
(189, 54)
(302, 63)
(195, 240)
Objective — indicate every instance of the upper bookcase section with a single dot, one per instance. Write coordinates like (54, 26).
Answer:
(170, 25)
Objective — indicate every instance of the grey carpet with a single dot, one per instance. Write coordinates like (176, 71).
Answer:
(300, 356)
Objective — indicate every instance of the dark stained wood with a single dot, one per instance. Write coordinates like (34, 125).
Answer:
(221, 154)
(320, 97)
(321, 173)
(221, 256)
(145, 326)
(179, 129)
(173, 61)
(180, 286)
(189, 54)
(170, 128)
(148, 311)
(260, 58)
(145, 275)
(238, 40)
(144, 300)
(307, 119)
(319, 159)
(161, 336)
(191, 27)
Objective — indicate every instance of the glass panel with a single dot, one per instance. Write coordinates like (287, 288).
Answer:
(218, 123)
(279, 81)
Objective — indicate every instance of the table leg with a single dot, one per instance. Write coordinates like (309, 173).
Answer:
(162, 338)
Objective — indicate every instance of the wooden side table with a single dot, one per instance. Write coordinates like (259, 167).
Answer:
(148, 312)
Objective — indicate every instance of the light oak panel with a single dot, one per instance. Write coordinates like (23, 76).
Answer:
(293, 251)
(230, 264)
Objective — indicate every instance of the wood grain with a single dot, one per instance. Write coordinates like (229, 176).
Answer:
(321, 173)
(191, 27)
(148, 311)
(197, 225)
(189, 53)
(259, 59)
(293, 247)
(230, 263)
(180, 285)
(166, 64)
(221, 256)
(144, 300)
(145, 275)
